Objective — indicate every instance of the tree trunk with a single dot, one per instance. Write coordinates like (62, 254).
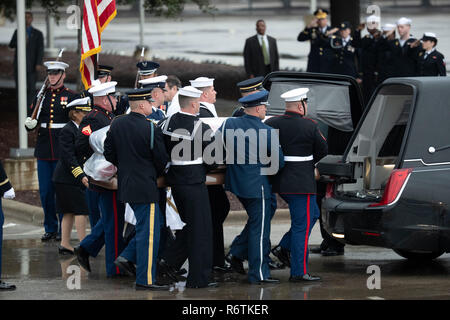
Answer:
(344, 10)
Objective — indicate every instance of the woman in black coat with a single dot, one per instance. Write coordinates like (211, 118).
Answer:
(70, 180)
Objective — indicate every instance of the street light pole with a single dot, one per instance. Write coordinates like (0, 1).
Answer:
(21, 73)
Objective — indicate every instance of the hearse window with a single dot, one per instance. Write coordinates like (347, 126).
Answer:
(378, 142)
(327, 103)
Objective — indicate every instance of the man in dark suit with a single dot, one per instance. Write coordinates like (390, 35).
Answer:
(35, 53)
(261, 53)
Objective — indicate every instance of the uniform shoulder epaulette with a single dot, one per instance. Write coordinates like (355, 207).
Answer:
(70, 90)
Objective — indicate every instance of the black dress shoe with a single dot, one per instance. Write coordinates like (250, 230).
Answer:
(226, 268)
(317, 249)
(305, 277)
(125, 266)
(273, 265)
(153, 287)
(6, 286)
(236, 264)
(49, 236)
(211, 284)
(268, 281)
(329, 252)
(283, 255)
(83, 257)
(64, 251)
(165, 269)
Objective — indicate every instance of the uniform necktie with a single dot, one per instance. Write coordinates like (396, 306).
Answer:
(265, 52)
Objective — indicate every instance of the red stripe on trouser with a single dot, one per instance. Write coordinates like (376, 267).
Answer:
(307, 236)
(116, 231)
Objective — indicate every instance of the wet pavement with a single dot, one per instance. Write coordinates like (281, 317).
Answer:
(41, 274)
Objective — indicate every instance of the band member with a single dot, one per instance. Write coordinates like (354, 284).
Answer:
(108, 230)
(51, 118)
(136, 146)
(303, 145)
(186, 176)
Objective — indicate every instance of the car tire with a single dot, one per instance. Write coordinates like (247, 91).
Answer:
(418, 256)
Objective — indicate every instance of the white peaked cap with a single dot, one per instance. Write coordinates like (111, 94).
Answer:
(388, 27)
(79, 102)
(96, 82)
(404, 20)
(202, 82)
(430, 34)
(153, 80)
(373, 18)
(190, 91)
(103, 89)
(295, 94)
(56, 65)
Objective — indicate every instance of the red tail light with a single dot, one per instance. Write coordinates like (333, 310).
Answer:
(330, 190)
(394, 185)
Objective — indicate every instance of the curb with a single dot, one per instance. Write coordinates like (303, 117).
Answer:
(35, 215)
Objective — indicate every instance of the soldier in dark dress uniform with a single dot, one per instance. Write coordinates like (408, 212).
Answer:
(318, 32)
(430, 62)
(386, 63)
(108, 230)
(7, 192)
(136, 146)
(247, 178)
(186, 176)
(157, 85)
(303, 145)
(52, 117)
(70, 180)
(247, 87)
(344, 52)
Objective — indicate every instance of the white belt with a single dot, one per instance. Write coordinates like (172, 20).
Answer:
(298, 159)
(53, 125)
(186, 163)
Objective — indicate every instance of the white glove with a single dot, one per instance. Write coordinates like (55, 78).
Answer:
(10, 194)
(30, 123)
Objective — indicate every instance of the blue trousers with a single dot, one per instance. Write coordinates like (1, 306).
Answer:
(92, 200)
(2, 220)
(108, 231)
(304, 214)
(143, 248)
(47, 194)
(239, 246)
(257, 235)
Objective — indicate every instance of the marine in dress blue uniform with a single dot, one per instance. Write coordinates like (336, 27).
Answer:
(51, 119)
(7, 192)
(108, 230)
(245, 177)
(136, 146)
(303, 145)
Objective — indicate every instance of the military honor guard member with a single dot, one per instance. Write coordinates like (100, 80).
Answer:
(208, 97)
(136, 146)
(430, 62)
(147, 69)
(108, 230)
(303, 145)
(247, 87)
(386, 64)
(104, 73)
(248, 182)
(317, 32)
(186, 176)
(157, 85)
(7, 192)
(344, 52)
(70, 180)
(52, 117)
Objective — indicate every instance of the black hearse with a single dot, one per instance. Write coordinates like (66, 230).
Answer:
(390, 187)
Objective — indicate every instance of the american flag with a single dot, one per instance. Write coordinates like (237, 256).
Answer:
(96, 16)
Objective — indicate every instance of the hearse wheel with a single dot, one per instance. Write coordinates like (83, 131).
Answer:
(419, 256)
